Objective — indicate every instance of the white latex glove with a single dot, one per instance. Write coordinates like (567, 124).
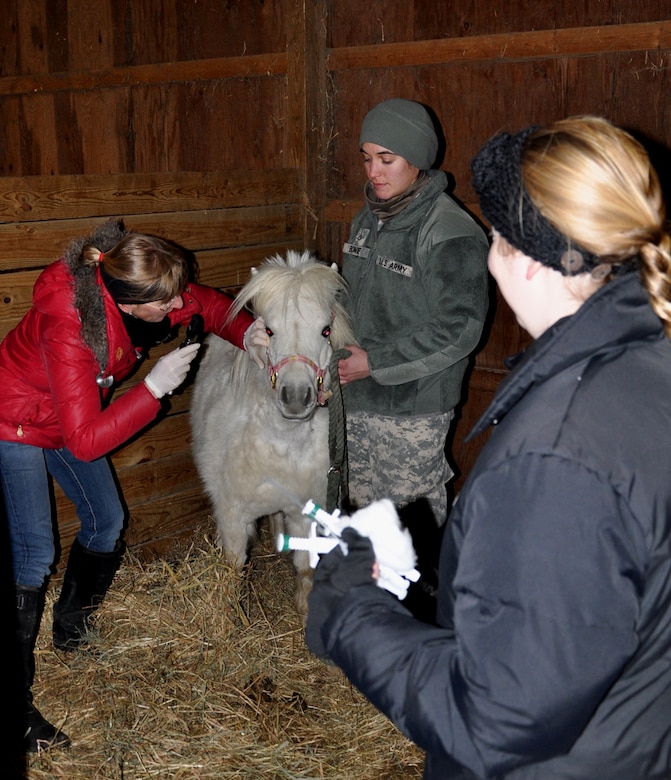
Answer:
(257, 341)
(391, 542)
(171, 370)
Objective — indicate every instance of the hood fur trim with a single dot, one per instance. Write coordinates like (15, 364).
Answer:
(88, 294)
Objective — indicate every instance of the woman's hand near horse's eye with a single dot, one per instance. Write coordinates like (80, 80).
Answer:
(355, 366)
(257, 341)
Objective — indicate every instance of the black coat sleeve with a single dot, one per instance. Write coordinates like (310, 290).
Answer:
(546, 596)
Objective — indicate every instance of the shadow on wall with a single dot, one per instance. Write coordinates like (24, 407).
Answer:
(660, 156)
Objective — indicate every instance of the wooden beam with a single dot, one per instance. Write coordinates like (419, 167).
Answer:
(218, 68)
(536, 45)
(295, 153)
(37, 198)
(229, 269)
(308, 108)
(28, 245)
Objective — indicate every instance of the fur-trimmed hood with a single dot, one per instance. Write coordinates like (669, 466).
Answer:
(88, 297)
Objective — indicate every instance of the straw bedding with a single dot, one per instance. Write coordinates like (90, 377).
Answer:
(198, 672)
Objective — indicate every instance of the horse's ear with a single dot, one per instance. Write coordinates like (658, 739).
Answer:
(253, 270)
(334, 266)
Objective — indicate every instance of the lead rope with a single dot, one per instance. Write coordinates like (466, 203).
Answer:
(337, 492)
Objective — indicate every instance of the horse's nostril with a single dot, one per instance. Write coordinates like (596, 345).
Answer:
(295, 399)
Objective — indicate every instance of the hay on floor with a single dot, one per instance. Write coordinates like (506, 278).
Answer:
(199, 672)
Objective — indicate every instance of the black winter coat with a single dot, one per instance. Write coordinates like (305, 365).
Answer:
(552, 658)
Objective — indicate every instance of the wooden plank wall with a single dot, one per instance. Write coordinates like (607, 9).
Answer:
(144, 86)
(188, 119)
(228, 220)
(483, 68)
(250, 91)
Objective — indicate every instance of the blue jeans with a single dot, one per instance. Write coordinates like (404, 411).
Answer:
(24, 474)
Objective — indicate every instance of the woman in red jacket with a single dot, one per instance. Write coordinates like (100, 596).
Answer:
(95, 312)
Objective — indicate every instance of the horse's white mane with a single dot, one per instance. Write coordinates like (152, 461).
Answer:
(293, 277)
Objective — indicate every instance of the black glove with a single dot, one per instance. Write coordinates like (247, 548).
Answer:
(335, 574)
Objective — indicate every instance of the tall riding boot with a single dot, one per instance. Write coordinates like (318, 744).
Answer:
(39, 732)
(87, 579)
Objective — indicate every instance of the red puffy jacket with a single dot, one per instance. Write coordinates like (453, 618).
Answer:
(48, 392)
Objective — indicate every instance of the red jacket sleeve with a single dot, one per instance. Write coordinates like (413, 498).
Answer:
(215, 307)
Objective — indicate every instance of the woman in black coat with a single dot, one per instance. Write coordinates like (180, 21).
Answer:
(551, 657)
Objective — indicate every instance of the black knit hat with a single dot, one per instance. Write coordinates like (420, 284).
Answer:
(505, 203)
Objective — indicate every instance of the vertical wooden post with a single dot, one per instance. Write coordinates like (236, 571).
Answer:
(308, 114)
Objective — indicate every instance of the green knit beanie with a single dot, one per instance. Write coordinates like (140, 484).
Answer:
(405, 128)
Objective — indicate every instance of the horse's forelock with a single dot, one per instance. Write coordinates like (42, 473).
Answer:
(289, 278)
(295, 276)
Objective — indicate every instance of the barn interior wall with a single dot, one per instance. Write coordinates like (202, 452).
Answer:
(483, 68)
(115, 87)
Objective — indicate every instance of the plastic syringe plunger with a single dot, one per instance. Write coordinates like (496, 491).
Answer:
(325, 519)
(318, 544)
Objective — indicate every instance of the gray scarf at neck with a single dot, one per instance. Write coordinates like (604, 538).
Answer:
(386, 209)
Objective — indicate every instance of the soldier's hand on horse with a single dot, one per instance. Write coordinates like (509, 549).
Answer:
(171, 370)
(257, 341)
(335, 574)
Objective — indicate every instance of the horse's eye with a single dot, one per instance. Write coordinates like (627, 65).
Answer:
(269, 332)
(326, 332)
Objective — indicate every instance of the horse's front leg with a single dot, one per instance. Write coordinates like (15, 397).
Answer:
(299, 525)
(301, 560)
(276, 524)
(236, 531)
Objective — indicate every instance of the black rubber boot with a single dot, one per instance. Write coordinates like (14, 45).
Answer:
(39, 733)
(87, 579)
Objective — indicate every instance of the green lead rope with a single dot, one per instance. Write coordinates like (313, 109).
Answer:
(337, 491)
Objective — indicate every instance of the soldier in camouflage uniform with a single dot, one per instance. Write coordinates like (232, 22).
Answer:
(416, 266)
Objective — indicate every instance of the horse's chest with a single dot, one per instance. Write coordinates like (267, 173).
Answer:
(299, 447)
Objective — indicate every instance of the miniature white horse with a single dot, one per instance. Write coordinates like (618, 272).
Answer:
(260, 438)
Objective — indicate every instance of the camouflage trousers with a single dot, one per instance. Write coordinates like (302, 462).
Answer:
(401, 458)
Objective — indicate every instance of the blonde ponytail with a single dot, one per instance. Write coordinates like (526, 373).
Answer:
(656, 276)
(596, 184)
